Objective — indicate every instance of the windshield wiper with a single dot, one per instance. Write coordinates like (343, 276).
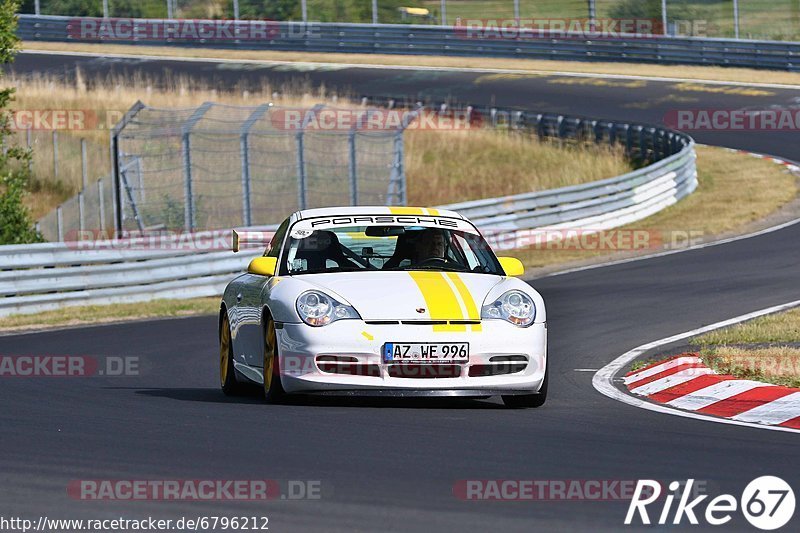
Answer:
(431, 268)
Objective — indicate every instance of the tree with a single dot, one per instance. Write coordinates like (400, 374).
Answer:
(16, 226)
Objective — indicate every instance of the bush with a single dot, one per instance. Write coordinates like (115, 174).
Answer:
(16, 226)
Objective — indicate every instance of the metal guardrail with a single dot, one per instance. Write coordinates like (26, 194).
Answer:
(52, 275)
(447, 41)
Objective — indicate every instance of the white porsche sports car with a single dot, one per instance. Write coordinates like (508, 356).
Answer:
(392, 301)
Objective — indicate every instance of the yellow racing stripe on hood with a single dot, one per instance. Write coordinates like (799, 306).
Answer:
(407, 211)
(440, 299)
(466, 297)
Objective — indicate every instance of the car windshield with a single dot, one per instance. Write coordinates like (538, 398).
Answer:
(387, 248)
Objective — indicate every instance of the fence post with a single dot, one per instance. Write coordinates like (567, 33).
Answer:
(36, 8)
(516, 9)
(628, 140)
(351, 143)
(301, 157)
(235, 9)
(84, 169)
(60, 224)
(304, 10)
(102, 202)
(443, 13)
(400, 168)
(115, 162)
(105, 9)
(592, 14)
(301, 171)
(736, 18)
(245, 157)
(664, 16)
(244, 152)
(81, 221)
(189, 214)
(188, 199)
(374, 11)
(29, 142)
(169, 9)
(55, 154)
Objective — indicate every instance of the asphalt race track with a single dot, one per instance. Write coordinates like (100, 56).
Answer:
(392, 465)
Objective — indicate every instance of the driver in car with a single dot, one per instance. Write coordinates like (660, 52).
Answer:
(429, 247)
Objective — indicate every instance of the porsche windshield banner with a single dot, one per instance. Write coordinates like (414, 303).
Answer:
(305, 228)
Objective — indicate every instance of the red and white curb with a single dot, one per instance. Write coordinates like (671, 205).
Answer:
(685, 382)
(791, 166)
(610, 381)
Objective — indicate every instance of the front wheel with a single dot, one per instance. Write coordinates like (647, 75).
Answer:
(273, 388)
(523, 401)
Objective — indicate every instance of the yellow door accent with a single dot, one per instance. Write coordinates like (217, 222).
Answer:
(368, 336)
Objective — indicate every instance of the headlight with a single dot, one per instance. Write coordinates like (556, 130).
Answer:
(318, 309)
(513, 306)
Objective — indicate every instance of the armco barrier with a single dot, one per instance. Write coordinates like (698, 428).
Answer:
(78, 277)
(47, 276)
(448, 41)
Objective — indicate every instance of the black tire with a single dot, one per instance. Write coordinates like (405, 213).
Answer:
(273, 388)
(227, 375)
(524, 401)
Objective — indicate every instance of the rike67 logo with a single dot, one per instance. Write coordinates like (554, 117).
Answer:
(767, 503)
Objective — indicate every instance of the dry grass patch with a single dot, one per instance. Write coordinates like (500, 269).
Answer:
(734, 190)
(741, 75)
(98, 314)
(763, 349)
(776, 328)
(447, 166)
(779, 365)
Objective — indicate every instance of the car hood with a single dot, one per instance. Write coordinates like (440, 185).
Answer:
(417, 295)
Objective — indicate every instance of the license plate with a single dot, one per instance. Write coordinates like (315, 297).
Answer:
(426, 352)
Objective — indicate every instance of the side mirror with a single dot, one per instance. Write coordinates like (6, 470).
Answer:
(512, 266)
(263, 266)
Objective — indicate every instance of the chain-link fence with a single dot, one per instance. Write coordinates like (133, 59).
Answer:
(219, 166)
(92, 209)
(752, 19)
(63, 162)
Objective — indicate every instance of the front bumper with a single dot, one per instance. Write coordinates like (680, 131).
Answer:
(301, 346)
